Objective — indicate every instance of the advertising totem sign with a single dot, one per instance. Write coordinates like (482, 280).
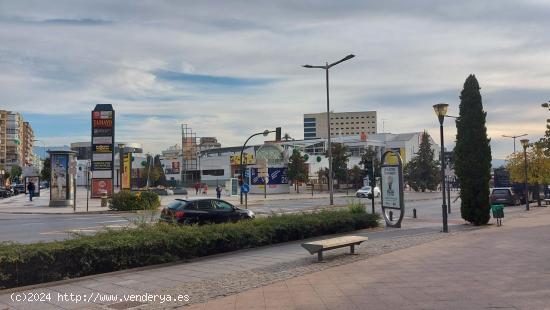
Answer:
(127, 171)
(63, 178)
(392, 189)
(103, 150)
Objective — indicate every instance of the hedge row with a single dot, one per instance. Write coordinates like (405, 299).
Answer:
(25, 264)
(126, 200)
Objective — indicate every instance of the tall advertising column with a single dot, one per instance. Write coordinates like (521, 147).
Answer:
(103, 148)
(63, 179)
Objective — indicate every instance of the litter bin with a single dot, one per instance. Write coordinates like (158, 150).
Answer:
(498, 213)
(104, 199)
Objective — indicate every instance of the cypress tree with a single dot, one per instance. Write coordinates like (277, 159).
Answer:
(473, 155)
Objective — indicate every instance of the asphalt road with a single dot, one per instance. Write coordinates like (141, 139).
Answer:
(27, 228)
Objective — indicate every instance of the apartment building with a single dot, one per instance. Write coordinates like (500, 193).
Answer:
(341, 124)
(16, 140)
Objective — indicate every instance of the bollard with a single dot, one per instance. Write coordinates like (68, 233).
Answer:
(391, 216)
(414, 213)
(104, 200)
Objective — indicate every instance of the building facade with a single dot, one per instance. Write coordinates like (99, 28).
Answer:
(16, 140)
(341, 124)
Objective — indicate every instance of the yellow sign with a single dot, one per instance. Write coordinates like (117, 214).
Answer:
(247, 160)
(127, 171)
(392, 160)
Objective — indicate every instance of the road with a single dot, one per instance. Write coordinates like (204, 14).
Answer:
(27, 228)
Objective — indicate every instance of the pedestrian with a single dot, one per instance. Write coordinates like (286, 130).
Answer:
(205, 189)
(218, 192)
(31, 188)
(197, 186)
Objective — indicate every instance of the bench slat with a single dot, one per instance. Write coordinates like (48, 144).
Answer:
(333, 243)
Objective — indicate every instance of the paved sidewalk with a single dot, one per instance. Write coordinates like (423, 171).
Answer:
(493, 268)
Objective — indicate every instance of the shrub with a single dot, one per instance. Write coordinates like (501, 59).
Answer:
(25, 264)
(127, 201)
(356, 207)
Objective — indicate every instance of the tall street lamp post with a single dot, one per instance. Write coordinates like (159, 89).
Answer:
(441, 110)
(264, 133)
(525, 144)
(515, 137)
(326, 67)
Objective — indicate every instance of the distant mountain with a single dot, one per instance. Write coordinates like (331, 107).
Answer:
(496, 163)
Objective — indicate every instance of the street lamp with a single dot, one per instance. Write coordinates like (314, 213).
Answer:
(514, 137)
(525, 144)
(441, 110)
(264, 133)
(326, 67)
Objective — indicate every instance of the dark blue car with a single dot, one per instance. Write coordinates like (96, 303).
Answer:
(203, 211)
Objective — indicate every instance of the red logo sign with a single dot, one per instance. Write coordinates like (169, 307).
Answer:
(101, 187)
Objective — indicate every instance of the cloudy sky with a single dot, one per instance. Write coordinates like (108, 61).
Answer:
(231, 68)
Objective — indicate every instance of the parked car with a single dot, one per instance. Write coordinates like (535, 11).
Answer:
(202, 211)
(505, 196)
(18, 189)
(365, 192)
(180, 191)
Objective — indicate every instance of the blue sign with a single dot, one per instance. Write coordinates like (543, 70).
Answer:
(276, 176)
(245, 188)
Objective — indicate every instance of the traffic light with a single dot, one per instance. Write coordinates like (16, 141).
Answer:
(278, 134)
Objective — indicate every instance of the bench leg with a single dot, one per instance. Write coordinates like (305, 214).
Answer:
(352, 249)
(320, 256)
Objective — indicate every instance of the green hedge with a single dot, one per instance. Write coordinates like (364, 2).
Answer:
(25, 264)
(127, 201)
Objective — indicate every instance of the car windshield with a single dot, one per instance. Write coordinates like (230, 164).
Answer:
(501, 192)
(174, 205)
(366, 188)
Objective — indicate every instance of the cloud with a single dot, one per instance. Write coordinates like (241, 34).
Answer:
(229, 69)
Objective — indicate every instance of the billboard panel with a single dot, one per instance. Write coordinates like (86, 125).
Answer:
(59, 175)
(390, 186)
(126, 171)
(103, 137)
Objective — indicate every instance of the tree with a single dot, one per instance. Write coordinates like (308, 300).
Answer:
(322, 175)
(421, 173)
(340, 159)
(371, 155)
(15, 172)
(473, 155)
(538, 166)
(297, 168)
(356, 175)
(45, 174)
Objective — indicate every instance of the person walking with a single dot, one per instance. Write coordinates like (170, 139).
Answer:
(31, 188)
(205, 189)
(218, 192)
(197, 187)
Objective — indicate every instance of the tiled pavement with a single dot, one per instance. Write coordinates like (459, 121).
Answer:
(495, 268)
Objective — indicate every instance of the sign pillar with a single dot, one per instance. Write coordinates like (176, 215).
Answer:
(392, 190)
(103, 150)
(62, 179)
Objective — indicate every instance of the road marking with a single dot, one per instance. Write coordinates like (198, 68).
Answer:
(115, 221)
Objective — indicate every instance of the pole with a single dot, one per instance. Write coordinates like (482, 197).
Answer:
(442, 155)
(330, 180)
(515, 145)
(87, 186)
(265, 188)
(525, 180)
(121, 165)
(448, 195)
(373, 185)
(149, 159)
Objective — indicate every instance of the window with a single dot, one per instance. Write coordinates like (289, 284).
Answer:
(309, 119)
(204, 204)
(222, 205)
(214, 172)
(309, 124)
(192, 205)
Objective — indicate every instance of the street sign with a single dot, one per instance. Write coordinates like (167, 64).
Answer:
(245, 188)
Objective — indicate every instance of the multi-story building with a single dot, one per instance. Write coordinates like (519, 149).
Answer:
(341, 124)
(16, 140)
(27, 143)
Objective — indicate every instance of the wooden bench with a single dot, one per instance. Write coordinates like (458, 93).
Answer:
(333, 243)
